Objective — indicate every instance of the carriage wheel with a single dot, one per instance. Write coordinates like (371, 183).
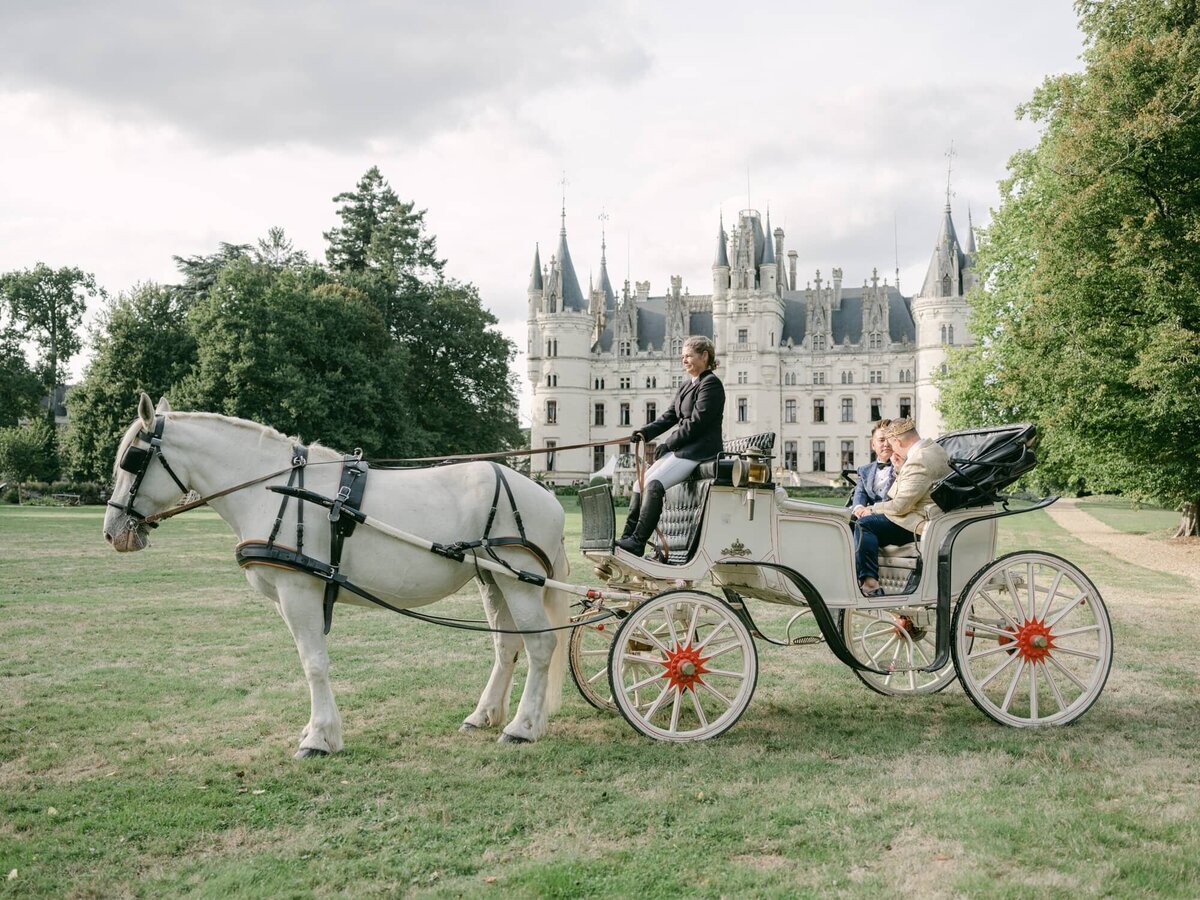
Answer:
(683, 667)
(587, 654)
(903, 639)
(1031, 640)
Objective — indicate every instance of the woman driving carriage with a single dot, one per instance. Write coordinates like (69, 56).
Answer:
(696, 414)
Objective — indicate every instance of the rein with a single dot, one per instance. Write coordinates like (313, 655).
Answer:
(499, 454)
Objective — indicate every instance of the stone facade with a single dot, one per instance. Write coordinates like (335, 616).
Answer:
(817, 365)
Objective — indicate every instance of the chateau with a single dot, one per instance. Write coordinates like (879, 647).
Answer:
(816, 365)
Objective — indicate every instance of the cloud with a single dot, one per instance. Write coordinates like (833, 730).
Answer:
(308, 72)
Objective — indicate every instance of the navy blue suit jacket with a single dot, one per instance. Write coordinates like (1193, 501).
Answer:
(864, 492)
(696, 414)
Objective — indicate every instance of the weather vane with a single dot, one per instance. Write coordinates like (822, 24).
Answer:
(949, 168)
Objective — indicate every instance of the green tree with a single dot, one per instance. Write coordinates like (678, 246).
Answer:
(20, 388)
(459, 366)
(49, 304)
(26, 452)
(142, 343)
(1089, 323)
(200, 273)
(290, 349)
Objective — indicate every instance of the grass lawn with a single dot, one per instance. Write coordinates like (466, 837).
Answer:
(150, 704)
(1131, 518)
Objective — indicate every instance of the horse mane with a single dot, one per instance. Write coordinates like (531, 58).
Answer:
(262, 432)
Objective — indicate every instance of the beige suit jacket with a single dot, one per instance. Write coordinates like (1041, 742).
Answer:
(909, 504)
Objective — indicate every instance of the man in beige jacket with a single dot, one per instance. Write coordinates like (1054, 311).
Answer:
(902, 517)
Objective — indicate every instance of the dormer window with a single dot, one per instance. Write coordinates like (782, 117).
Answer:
(945, 285)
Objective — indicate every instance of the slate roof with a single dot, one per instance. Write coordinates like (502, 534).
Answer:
(572, 296)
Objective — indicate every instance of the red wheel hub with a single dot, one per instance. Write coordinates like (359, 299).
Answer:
(1032, 640)
(684, 666)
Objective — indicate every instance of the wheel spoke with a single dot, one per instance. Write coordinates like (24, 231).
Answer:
(726, 673)
(593, 653)
(712, 690)
(1013, 593)
(640, 658)
(637, 686)
(712, 634)
(874, 657)
(1033, 690)
(603, 673)
(736, 645)
(1062, 613)
(653, 639)
(1032, 594)
(924, 658)
(1062, 704)
(654, 707)
(1070, 632)
(671, 628)
(999, 648)
(699, 710)
(1004, 665)
(691, 630)
(675, 704)
(1012, 687)
(977, 626)
(1069, 651)
(1050, 594)
(994, 605)
(1070, 675)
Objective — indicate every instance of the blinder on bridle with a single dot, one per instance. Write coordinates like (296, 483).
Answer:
(136, 461)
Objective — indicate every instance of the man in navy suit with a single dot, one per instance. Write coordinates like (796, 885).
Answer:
(876, 477)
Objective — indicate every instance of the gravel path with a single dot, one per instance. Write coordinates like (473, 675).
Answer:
(1179, 557)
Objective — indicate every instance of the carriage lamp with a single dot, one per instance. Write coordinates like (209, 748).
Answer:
(752, 467)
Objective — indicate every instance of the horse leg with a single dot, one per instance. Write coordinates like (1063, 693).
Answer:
(492, 709)
(301, 608)
(525, 604)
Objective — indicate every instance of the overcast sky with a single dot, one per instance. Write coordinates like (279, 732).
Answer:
(135, 131)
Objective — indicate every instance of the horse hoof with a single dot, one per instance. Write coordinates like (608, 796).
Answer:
(468, 728)
(506, 738)
(310, 753)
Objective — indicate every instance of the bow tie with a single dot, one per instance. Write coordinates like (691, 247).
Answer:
(881, 465)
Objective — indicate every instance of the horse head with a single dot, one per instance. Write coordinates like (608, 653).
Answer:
(139, 479)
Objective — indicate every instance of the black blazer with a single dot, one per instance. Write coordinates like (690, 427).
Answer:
(696, 413)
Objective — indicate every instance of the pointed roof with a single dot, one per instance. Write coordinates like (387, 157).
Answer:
(535, 277)
(970, 234)
(722, 240)
(768, 258)
(610, 296)
(572, 296)
(948, 258)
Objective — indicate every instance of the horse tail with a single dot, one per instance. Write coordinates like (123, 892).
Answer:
(557, 604)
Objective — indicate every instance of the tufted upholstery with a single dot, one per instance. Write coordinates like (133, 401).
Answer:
(683, 505)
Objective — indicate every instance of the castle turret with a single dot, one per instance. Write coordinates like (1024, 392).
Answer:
(721, 263)
(768, 271)
(940, 314)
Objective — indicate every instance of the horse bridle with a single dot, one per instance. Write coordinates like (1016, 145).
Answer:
(136, 460)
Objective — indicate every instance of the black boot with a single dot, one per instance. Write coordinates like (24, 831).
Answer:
(635, 544)
(635, 506)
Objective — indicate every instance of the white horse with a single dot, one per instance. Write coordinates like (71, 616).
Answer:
(208, 453)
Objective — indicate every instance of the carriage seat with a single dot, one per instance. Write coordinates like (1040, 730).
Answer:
(898, 564)
(683, 505)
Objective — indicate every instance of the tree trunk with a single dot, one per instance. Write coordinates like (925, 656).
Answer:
(1188, 524)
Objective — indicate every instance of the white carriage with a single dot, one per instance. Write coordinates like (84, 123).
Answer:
(1027, 634)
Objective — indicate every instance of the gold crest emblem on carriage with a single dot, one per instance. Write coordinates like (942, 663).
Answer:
(737, 548)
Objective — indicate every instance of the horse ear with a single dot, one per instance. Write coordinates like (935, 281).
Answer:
(146, 411)
(164, 405)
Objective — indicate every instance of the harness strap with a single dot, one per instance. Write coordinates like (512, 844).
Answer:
(350, 494)
(295, 479)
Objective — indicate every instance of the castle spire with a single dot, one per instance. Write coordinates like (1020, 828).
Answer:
(970, 233)
(769, 248)
(535, 277)
(722, 239)
(610, 297)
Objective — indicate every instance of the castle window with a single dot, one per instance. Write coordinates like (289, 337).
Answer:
(651, 381)
(676, 382)
(847, 454)
(789, 378)
(950, 333)
(551, 412)
(790, 460)
(743, 409)
(847, 409)
(743, 336)
(818, 342)
(677, 347)
(599, 384)
(623, 415)
(847, 378)
(876, 409)
(905, 407)
(789, 410)
(818, 456)
(818, 410)
(876, 376)
(743, 306)
(552, 348)
(626, 383)
(624, 348)
(651, 412)
(943, 334)
(597, 459)
(598, 414)
(875, 341)
(772, 339)
(945, 285)
(551, 380)
(741, 377)
(944, 369)
(818, 377)
(550, 457)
